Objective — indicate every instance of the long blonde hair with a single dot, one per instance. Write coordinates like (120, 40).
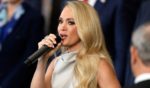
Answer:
(92, 43)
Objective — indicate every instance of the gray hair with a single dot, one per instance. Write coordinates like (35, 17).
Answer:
(141, 40)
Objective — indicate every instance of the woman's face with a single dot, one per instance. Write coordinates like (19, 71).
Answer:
(67, 29)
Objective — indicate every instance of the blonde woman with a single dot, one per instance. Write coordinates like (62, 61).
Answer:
(85, 62)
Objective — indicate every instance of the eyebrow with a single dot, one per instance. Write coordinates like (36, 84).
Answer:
(68, 19)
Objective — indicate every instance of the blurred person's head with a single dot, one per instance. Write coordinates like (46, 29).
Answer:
(11, 1)
(140, 50)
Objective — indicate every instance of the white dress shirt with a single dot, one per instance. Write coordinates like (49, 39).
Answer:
(142, 77)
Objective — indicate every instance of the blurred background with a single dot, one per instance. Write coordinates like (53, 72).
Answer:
(118, 20)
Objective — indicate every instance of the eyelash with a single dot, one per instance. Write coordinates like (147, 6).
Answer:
(69, 22)
(59, 21)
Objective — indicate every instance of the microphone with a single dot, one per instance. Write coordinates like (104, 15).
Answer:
(34, 57)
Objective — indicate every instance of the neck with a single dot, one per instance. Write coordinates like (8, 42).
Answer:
(75, 47)
(11, 7)
(143, 69)
(13, 4)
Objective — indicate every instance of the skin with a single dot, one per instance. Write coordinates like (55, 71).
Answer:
(106, 76)
(137, 65)
(68, 30)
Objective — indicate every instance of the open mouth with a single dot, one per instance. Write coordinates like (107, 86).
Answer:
(63, 36)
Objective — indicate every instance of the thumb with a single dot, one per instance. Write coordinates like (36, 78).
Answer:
(50, 53)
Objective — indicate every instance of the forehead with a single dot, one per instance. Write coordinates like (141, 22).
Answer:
(66, 13)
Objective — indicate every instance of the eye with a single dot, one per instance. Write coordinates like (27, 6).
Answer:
(60, 21)
(71, 22)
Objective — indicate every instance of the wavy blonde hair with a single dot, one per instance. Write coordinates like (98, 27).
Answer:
(92, 44)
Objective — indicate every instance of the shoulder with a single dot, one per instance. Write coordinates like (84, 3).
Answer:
(105, 68)
(50, 68)
(131, 86)
(143, 84)
(106, 75)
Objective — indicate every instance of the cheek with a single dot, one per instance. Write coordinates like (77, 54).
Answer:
(58, 29)
(74, 33)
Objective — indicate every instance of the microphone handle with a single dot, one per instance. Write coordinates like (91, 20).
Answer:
(34, 57)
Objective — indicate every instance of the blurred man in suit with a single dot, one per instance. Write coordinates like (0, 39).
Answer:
(140, 56)
(143, 15)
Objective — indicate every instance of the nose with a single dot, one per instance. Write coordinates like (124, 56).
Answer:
(62, 26)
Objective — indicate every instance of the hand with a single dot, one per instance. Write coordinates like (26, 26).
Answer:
(49, 41)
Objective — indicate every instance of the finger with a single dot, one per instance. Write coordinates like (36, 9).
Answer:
(40, 44)
(52, 35)
(54, 50)
(51, 38)
(45, 42)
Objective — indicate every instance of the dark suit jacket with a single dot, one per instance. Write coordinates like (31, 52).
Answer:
(144, 84)
(143, 14)
(142, 17)
(18, 45)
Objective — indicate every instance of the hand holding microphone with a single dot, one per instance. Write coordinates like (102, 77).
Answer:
(49, 45)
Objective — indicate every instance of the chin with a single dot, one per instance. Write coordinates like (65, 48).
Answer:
(65, 44)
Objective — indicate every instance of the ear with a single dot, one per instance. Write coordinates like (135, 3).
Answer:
(134, 55)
